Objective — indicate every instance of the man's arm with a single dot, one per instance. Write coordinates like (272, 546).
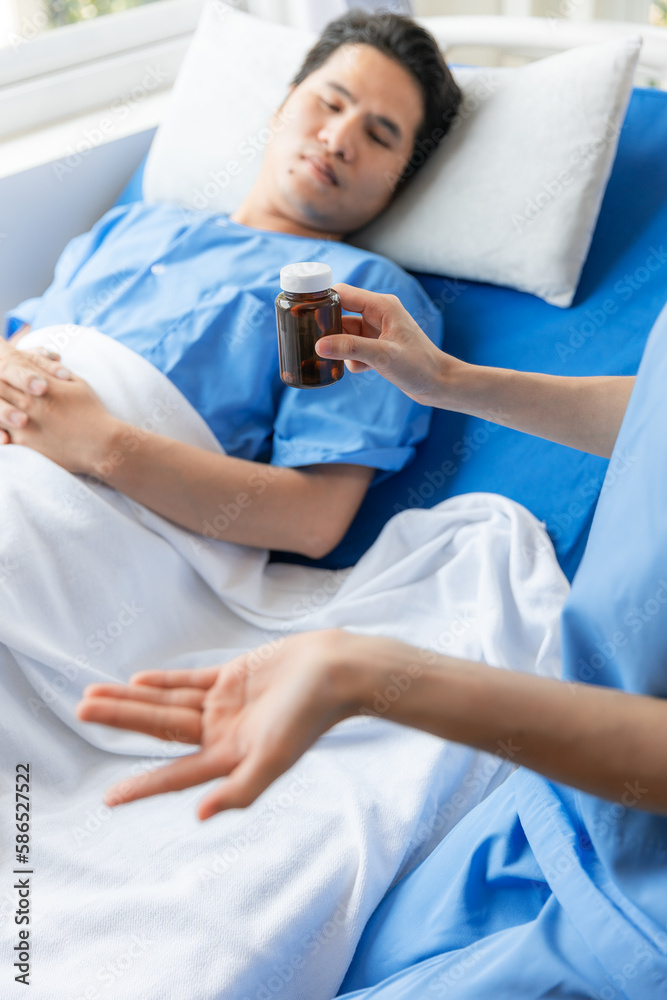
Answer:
(305, 510)
(584, 413)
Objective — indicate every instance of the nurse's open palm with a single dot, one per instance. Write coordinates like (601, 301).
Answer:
(252, 717)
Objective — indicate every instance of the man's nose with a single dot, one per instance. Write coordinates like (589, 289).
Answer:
(339, 136)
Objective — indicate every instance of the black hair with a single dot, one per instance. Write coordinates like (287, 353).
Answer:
(402, 39)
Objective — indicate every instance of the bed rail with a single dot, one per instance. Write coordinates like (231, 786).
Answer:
(536, 36)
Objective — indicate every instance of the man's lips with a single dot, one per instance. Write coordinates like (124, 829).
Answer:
(322, 168)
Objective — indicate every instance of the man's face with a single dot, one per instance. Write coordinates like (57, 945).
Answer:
(350, 131)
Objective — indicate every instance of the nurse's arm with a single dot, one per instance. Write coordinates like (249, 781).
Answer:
(261, 712)
(584, 413)
(603, 741)
(305, 510)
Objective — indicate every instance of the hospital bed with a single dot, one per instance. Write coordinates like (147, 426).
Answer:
(484, 324)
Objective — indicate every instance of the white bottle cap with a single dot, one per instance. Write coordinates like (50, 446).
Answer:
(307, 276)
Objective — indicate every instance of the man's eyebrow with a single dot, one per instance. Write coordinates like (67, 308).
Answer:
(380, 119)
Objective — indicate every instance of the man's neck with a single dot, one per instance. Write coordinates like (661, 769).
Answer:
(258, 218)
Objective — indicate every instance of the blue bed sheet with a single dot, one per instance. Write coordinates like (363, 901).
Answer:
(622, 290)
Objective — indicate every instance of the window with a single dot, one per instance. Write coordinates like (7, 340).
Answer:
(50, 73)
(23, 20)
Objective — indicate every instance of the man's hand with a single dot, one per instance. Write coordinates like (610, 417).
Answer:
(386, 337)
(19, 334)
(253, 717)
(63, 420)
(23, 371)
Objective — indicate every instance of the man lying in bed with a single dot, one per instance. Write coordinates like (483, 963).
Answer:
(194, 294)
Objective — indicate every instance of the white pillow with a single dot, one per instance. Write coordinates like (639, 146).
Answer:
(511, 197)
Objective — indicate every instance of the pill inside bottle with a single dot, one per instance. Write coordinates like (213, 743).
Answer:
(307, 309)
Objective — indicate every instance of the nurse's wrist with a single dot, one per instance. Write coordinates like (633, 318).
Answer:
(471, 389)
(369, 670)
(452, 383)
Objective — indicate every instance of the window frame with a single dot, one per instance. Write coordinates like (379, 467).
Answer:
(92, 64)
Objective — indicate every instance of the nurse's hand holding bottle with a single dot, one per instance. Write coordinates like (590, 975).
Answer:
(583, 413)
(386, 337)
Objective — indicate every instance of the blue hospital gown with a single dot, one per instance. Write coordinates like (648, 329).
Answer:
(541, 890)
(194, 294)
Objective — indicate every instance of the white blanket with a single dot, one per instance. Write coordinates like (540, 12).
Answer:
(144, 902)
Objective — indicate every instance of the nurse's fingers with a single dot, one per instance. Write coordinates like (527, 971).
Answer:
(186, 697)
(245, 783)
(358, 352)
(192, 770)
(199, 677)
(352, 326)
(373, 306)
(166, 722)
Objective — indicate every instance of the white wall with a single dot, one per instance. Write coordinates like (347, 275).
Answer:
(43, 208)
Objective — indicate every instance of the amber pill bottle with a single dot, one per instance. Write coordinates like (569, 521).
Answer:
(306, 309)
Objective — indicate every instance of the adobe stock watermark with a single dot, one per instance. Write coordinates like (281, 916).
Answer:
(133, 437)
(552, 189)
(468, 793)
(472, 97)
(272, 809)
(616, 983)
(635, 620)
(261, 478)
(619, 465)
(448, 982)
(300, 612)
(435, 479)
(566, 9)
(131, 948)
(34, 24)
(612, 986)
(96, 643)
(122, 107)
(258, 317)
(94, 819)
(248, 151)
(611, 813)
(8, 566)
(624, 289)
(310, 946)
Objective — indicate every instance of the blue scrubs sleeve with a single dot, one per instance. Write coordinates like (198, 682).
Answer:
(362, 419)
(16, 317)
(75, 254)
